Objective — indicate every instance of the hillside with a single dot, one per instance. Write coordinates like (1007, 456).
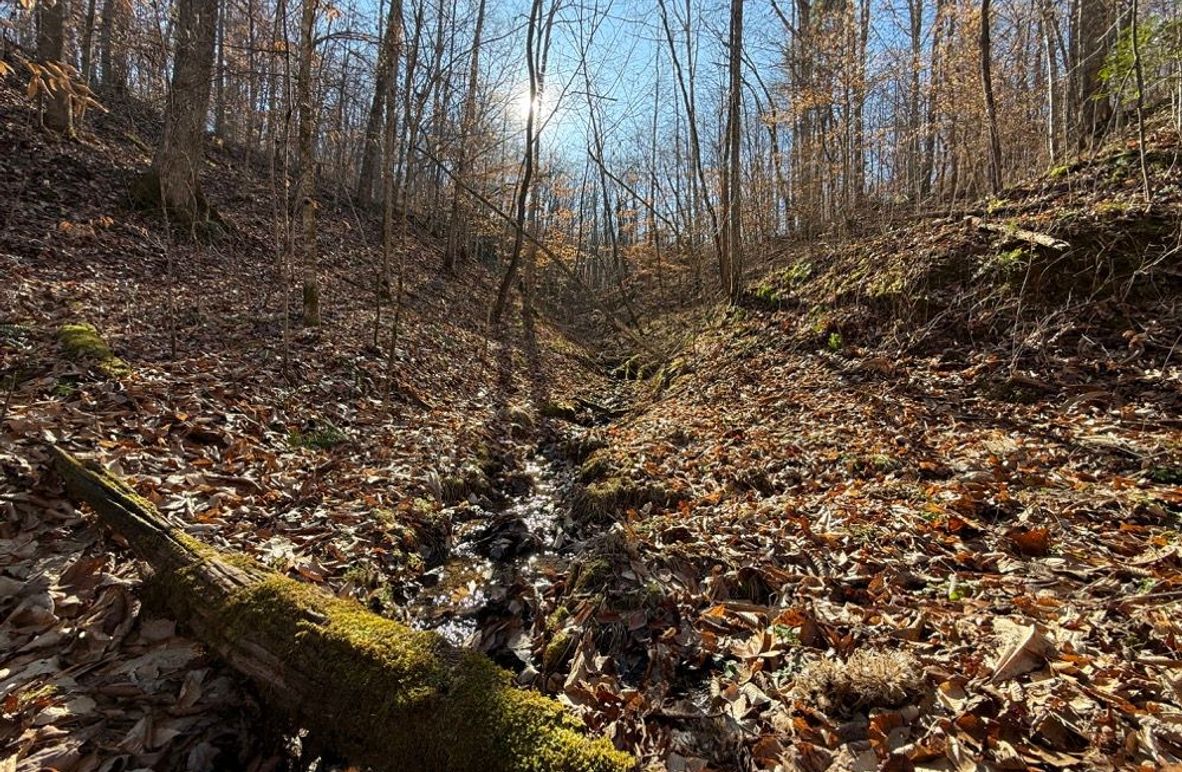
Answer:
(912, 503)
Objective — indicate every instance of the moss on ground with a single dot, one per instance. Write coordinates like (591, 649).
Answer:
(82, 343)
(469, 480)
(608, 497)
(321, 438)
(562, 411)
(387, 696)
(558, 651)
(597, 466)
(591, 575)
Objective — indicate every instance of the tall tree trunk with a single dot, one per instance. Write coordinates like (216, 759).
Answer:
(306, 190)
(51, 49)
(527, 172)
(1053, 105)
(731, 266)
(88, 44)
(392, 45)
(174, 180)
(1090, 44)
(914, 146)
(114, 46)
(371, 150)
(685, 87)
(931, 127)
(219, 120)
(458, 230)
(861, 90)
(990, 106)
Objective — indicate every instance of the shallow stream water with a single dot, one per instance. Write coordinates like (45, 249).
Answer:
(498, 553)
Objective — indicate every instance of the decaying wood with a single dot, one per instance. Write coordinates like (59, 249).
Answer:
(1021, 234)
(371, 689)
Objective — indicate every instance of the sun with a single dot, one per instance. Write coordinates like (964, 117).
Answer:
(522, 105)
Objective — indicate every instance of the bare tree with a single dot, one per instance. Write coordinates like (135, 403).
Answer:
(113, 46)
(1090, 44)
(731, 257)
(986, 50)
(51, 51)
(458, 230)
(527, 168)
(306, 187)
(174, 179)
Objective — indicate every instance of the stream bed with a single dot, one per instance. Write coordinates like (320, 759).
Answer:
(500, 555)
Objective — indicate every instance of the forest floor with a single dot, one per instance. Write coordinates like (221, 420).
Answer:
(822, 535)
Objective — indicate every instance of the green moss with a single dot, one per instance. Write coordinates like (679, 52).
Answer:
(649, 595)
(562, 411)
(387, 696)
(606, 499)
(1012, 258)
(557, 618)
(582, 445)
(888, 282)
(1166, 475)
(470, 480)
(596, 466)
(799, 272)
(434, 707)
(82, 343)
(591, 575)
(65, 388)
(322, 438)
(768, 294)
(635, 368)
(601, 500)
(558, 650)
(672, 371)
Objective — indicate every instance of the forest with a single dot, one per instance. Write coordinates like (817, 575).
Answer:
(591, 385)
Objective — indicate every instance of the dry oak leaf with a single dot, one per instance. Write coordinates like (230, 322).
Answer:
(1024, 648)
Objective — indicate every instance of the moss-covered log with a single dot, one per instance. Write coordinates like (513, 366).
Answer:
(373, 690)
(82, 343)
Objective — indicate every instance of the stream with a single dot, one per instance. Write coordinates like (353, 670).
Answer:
(498, 554)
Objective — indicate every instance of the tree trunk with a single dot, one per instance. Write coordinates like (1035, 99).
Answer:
(371, 689)
(732, 235)
(51, 49)
(219, 109)
(372, 147)
(114, 46)
(1090, 43)
(990, 105)
(174, 180)
(523, 189)
(306, 190)
(1053, 107)
(87, 75)
(458, 227)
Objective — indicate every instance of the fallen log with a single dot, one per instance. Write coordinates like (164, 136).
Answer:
(1021, 234)
(82, 343)
(374, 691)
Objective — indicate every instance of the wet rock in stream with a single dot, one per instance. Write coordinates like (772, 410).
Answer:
(506, 538)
